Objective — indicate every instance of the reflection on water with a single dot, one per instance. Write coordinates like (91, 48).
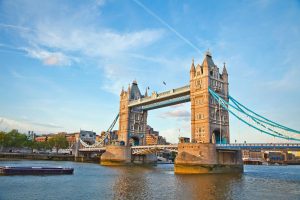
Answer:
(132, 183)
(92, 181)
(206, 186)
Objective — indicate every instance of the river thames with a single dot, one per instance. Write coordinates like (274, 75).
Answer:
(92, 181)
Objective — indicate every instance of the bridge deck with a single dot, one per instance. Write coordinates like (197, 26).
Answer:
(163, 96)
(265, 146)
(174, 147)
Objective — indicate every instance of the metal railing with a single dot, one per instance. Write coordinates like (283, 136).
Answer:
(260, 146)
(142, 150)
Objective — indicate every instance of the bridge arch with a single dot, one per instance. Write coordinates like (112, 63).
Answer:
(218, 136)
(134, 141)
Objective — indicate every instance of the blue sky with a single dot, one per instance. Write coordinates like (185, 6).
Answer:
(63, 63)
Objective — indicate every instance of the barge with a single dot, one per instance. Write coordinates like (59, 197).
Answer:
(35, 170)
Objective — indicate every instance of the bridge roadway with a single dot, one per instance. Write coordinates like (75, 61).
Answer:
(167, 98)
(163, 99)
(142, 150)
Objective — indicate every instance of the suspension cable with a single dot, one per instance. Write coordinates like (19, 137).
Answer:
(225, 104)
(255, 119)
(270, 121)
(101, 142)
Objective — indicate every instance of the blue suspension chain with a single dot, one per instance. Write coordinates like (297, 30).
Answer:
(218, 98)
(272, 123)
(255, 119)
(238, 109)
(258, 121)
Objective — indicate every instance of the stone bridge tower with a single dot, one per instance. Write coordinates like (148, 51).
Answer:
(209, 121)
(133, 121)
(209, 125)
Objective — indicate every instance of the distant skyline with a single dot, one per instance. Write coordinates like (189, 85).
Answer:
(63, 63)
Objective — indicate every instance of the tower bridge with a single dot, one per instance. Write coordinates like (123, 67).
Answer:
(209, 150)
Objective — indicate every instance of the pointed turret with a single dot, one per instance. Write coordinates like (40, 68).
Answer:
(192, 66)
(134, 91)
(122, 92)
(208, 62)
(146, 93)
(224, 70)
(128, 90)
(225, 79)
(193, 70)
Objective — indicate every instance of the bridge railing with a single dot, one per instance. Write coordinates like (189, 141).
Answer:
(187, 87)
(295, 146)
(163, 93)
(142, 150)
(261, 144)
(155, 146)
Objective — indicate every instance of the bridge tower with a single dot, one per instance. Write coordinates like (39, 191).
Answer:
(132, 130)
(133, 121)
(209, 121)
(209, 124)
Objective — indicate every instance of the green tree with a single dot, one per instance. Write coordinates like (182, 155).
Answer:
(14, 139)
(58, 141)
(44, 145)
(2, 140)
(31, 144)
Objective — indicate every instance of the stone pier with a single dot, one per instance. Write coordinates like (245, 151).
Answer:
(116, 155)
(144, 159)
(121, 155)
(199, 158)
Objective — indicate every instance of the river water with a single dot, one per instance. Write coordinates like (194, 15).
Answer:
(92, 181)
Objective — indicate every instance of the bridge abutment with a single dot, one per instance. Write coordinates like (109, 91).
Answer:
(144, 159)
(199, 158)
(122, 155)
(116, 155)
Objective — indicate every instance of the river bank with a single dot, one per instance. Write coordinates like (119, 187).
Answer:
(33, 156)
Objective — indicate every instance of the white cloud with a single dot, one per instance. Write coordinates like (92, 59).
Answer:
(110, 50)
(49, 58)
(59, 42)
(16, 74)
(25, 125)
(180, 114)
(91, 42)
(172, 134)
(18, 28)
(100, 2)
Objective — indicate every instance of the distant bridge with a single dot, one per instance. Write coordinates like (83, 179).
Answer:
(261, 146)
(150, 149)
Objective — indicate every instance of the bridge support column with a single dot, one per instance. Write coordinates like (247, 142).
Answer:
(79, 157)
(144, 159)
(116, 155)
(199, 158)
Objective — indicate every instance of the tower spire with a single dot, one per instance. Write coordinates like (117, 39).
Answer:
(224, 69)
(208, 62)
(146, 93)
(193, 70)
(122, 91)
(192, 66)
(128, 88)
